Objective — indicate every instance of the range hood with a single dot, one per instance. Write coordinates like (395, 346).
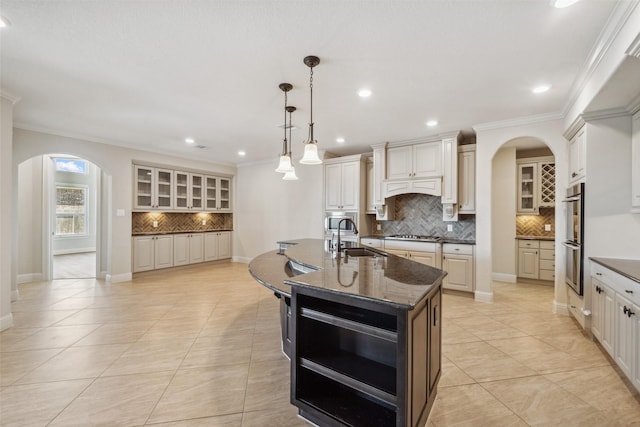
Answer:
(430, 186)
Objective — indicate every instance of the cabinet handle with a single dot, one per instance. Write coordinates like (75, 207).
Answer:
(598, 274)
(628, 291)
(573, 175)
(435, 316)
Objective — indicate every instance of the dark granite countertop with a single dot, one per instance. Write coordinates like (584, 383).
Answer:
(158, 233)
(438, 239)
(627, 267)
(384, 278)
(548, 238)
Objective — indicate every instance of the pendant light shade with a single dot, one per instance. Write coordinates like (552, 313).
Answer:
(291, 174)
(284, 165)
(310, 156)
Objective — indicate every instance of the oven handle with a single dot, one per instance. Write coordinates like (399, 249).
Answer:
(572, 199)
(572, 246)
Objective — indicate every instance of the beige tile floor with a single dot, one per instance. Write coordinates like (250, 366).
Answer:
(200, 346)
(74, 266)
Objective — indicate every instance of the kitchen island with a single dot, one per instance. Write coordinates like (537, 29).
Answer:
(362, 331)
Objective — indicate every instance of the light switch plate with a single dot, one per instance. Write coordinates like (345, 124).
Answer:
(449, 227)
(119, 212)
(155, 224)
(204, 222)
(547, 227)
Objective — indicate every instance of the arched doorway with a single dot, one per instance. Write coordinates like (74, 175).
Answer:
(61, 218)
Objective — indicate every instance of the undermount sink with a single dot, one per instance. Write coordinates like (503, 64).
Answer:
(358, 252)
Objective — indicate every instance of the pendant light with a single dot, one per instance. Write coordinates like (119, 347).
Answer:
(310, 156)
(284, 165)
(290, 175)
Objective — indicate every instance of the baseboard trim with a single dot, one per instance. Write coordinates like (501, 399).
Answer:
(560, 308)
(6, 322)
(242, 259)
(503, 277)
(29, 277)
(483, 296)
(73, 251)
(117, 278)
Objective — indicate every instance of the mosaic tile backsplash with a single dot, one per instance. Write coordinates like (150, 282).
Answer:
(142, 222)
(533, 225)
(421, 214)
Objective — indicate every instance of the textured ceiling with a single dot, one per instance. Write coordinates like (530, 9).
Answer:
(148, 74)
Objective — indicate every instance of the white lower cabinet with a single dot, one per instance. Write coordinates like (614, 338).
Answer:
(188, 249)
(152, 252)
(427, 253)
(616, 318)
(536, 259)
(217, 245)
(458, 262)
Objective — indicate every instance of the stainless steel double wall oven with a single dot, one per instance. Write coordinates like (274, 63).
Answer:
(574, 238)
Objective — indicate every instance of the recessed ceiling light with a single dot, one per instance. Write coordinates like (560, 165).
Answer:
(364, 93)
(541, 88)
(560, 4)
(340, 140)
(189, 140)
(4, 22)
(432, 123)
(242, 153)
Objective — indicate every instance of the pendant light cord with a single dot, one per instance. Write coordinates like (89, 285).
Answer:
(311, 116)
(284, 141)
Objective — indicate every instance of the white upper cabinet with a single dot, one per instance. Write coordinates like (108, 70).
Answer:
(635, 164)
(527, 188)
(153, 188)
(189, 190)
(467, 179)
(450, 170)
(217, 194)
(577, 156)
(414, 161)
(371, 206)
(342, 185)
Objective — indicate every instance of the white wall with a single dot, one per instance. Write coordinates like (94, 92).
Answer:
(116, 163)
(503, 218)
(7, 262)
(489, 142)
(269, 209)
(29, 220)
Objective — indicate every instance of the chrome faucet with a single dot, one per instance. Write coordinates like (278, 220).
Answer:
(355, 231)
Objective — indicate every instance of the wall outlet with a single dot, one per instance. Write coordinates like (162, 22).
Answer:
(547, 227)
(155, 224)
(449, 227)
(204, 222)
(119, 212)
(378, 227)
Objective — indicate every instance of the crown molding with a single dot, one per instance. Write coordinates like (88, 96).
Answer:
(14, 99)
(634, 105)
(574, 127)
(520, 121)
(634, 48)
(617, 19)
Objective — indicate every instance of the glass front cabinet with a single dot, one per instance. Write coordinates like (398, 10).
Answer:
(153, 188)
(527, 188)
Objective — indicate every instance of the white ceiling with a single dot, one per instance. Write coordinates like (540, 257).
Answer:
(148, 74)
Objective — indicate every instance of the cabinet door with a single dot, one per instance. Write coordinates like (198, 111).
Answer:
(400, 162)
(625, 339)
(608, 320)
(636, 345)
(435, 341)
(211, 246)
(196, 191)
(180, 249)
(143, 257)
(143, 197)
(371, 206)
(163, 188)
(379, 168)
(597, 308)
(196, 248)
(450, 170)
(426, 258)
(427, 160)
(332, 185)
(527, 189)
(577, 156)
(211, 193)
(460, 272)
(224, 245)
(398, 252)
(528, 263)
(350, 190)
(224, 194)
(181, 198)
(163, 251)
(547, 184)
(467, 182)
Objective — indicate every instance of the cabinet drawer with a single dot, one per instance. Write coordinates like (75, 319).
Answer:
(547, 244)
(617, 282)
(547, 275)
(452, 248)
(410, 245)
(548, 254)
(532, 244)
(374, 243)
(547, 264)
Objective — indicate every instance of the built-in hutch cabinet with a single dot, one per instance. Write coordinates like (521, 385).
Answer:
(536, 259)
(616, 318)
(174, 190)
(171, 250)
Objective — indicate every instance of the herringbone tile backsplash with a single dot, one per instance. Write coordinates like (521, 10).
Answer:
(142, 222)
(533, 225)
(421, 214)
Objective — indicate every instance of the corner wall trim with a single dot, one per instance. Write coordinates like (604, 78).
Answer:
(15, 295)
(560, 308)
(6, 322)
(503, 277)
(116, 278)
(483, 296)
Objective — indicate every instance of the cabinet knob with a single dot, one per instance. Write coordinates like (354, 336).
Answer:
(573, 175)
(598, 274)
(628, 291)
